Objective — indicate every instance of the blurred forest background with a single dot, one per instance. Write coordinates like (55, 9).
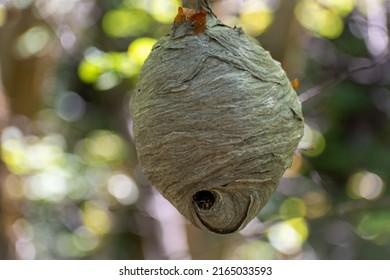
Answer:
(71, 187)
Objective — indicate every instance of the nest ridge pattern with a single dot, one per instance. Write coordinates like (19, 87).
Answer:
(216, 124)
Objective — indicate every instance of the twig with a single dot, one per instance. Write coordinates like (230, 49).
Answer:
(310, 93)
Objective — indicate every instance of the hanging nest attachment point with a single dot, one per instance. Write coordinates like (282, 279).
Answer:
(216, 121)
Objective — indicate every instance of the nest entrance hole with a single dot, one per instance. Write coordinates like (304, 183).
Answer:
(204, 199)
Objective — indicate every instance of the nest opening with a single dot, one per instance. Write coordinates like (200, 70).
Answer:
(204, 199)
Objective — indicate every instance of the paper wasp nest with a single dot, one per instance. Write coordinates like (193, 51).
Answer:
(216, 121)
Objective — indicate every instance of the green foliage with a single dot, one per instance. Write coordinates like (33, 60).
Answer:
(126, 22)
(324, 18)
(106, 70)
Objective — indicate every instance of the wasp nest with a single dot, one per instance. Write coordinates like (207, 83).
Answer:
(216, 121)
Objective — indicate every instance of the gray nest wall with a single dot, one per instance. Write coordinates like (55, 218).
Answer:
(216, 124)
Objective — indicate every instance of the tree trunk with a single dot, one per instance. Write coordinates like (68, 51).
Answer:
(4, 116)
(281, 39)
(20, 94)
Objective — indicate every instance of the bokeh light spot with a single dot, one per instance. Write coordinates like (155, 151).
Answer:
(89, 72)
(288, 236)
(343, 7)
(255, 22)
(98, 175)
(43, 156)
(23, 230)
(140, 49)
(95, 219)
(50, 185)
(14, 155)
(126, 22)
(365, 185)
(70, 106)
(107, 81)
(375, 227)
(33, 41)
(317, 204)
(13, 186)
(66, 246)
(256, 250)
(319, 19)
(25, 250)
(164, 11)
(3, 14)
(314, 140)
(123, 188)
(292, 208)
(22, 4)
(25, 154)
(106, 69)
(84, 240)
(105, 146)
